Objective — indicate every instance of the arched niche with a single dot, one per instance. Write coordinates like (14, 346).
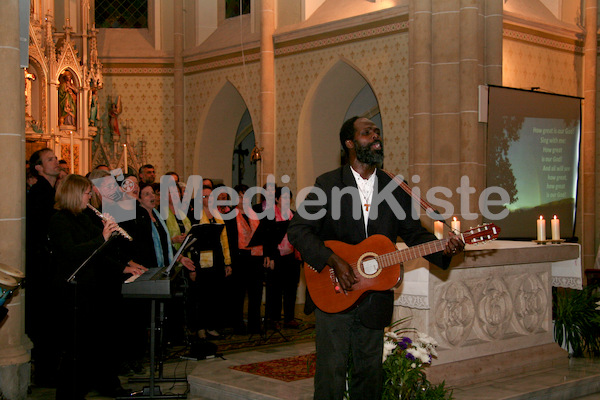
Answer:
(35, 98)
(323, 113)
(69, 81)
(216, 135)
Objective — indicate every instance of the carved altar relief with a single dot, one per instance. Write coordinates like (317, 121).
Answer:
(495, 308)
(455, 313)
(531, 303)
(479, 309)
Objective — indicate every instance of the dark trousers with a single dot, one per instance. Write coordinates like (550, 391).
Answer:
(88, 342)
(248, 276)
(282, 284)
(135, 324)
(338, 336)
(204, 302)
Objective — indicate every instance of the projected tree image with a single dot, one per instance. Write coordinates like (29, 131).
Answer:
(498, 161)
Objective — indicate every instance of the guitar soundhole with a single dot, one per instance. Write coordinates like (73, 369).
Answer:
(369, 266)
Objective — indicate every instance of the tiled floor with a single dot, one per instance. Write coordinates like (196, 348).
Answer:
(212, 379)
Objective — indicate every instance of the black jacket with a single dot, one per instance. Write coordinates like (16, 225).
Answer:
(308, 236)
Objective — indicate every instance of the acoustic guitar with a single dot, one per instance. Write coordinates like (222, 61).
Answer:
(378, 265)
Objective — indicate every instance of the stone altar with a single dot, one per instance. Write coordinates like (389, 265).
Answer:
(491, 312)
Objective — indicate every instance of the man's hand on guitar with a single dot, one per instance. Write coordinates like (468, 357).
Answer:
(343, 271)
(454, 245)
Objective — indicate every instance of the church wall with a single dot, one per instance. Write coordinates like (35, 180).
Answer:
(148, 109)
(200, 89)
(382, 61)
(534, 61)
(556, 66)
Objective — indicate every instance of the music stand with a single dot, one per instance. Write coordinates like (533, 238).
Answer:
(208, 236)
(269, 233)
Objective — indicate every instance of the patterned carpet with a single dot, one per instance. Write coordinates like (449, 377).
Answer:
(285, 369)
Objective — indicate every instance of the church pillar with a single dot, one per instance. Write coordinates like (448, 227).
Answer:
(178, 97)
(588, 137)
(448, 57)
(14, 344)
(267, 91)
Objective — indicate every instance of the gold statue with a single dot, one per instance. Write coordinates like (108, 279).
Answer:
(255, 154)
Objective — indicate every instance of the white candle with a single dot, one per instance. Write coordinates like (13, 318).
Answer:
(555, 222)
(541, 228)
(438, 229)
(125, 157)
(455, 225)
(72, 147)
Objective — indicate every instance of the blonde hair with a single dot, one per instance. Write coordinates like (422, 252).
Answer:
(96, 199)
(70, 193)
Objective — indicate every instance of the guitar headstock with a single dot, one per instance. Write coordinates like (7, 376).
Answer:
(480, 234)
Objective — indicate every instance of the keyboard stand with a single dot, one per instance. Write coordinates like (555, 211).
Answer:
(154, 391)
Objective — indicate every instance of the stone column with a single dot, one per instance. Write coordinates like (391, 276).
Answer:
(14, 345)
(267, 90)
(588, 137)
(179, 151)
(448, 40)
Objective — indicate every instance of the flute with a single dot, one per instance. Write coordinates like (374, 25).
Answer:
(103, 217)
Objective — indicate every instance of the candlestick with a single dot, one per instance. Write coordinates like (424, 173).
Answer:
(455, 225)
(125, 156)
(541, 228)
(438, 229)
(555, 223)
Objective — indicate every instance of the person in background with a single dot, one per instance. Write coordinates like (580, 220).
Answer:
(147, 174)
(30, 180)
(175, 176)
(152, 248)
(64, 169)
(156, 188)
(248, 269)
(282, 280)
(102, 167)
(130, 186)
(44, 167)
(206, 297)
(231, 317)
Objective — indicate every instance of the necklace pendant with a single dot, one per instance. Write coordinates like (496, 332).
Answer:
(367, 206)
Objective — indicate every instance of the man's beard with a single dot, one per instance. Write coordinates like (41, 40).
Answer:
(368, 156)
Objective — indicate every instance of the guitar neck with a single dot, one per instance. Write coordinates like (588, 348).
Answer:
(421, 250)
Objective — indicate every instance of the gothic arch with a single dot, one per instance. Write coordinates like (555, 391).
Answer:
(216, 134)
(322, 115)
(39, 94)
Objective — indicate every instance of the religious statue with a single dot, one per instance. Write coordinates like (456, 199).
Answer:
(29, 78)
(255, 155)
(113, 116)
(67, 99)
(93, 105)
